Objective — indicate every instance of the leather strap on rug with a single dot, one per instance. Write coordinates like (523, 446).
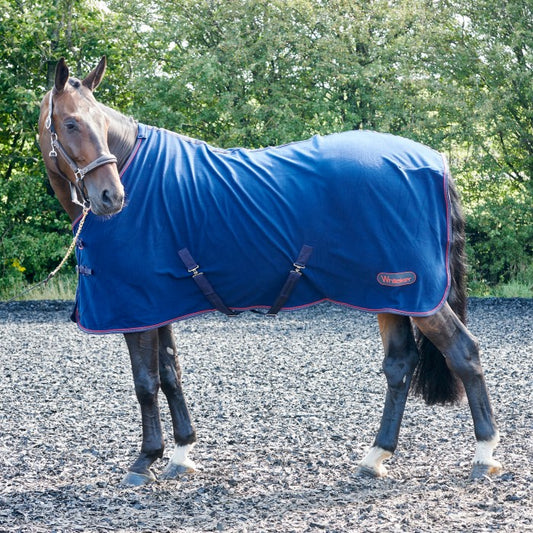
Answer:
(292, 280)
(203, 283)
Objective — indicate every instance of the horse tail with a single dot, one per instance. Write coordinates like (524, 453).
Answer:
(433, 380)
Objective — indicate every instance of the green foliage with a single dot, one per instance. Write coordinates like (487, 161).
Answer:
(268, 72)
(455, 74)
(33, 231)
(499, 41)
(499, 229)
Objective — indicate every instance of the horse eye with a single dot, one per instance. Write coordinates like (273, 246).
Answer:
(71, 125)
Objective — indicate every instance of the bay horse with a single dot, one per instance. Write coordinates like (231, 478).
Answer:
(87, 148)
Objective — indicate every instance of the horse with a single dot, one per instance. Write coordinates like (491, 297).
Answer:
(86, 147)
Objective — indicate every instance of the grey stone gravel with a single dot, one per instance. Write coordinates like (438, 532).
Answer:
(285, 408)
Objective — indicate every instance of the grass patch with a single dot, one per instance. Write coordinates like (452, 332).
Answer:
(60, 287)
(513, 289)
(521, 286)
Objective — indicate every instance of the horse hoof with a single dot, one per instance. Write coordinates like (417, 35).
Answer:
(480, 470)
(367, 472)
(372, 463)
(134, 479)
(174, 471)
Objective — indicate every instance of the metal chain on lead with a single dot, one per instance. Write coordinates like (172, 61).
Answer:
(59, 266)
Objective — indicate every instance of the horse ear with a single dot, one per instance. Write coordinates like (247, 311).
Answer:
(94, 78)
(62, 75)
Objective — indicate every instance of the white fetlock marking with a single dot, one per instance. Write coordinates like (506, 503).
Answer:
(170, 350)
(180, 456)
(484, 451)
(374, 458)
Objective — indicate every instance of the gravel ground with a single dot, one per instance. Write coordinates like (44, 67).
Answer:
(285, 408)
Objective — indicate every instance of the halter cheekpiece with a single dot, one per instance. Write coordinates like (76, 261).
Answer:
(77, 189)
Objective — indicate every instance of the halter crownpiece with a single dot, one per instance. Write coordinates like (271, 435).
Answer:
(79, 173)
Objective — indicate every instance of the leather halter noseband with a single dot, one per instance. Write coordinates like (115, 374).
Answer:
(77, 188)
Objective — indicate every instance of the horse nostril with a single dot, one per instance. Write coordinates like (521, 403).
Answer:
(106, 198)
(110, 199)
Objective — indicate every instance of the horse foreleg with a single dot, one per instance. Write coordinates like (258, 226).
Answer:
(461, 350)
(143, 348)
(401, 357)
(184, 433)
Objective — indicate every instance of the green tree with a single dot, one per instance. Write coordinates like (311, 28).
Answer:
(453, 74)
(263, 72)
(493, 73)
(33, 228)
(498, 43)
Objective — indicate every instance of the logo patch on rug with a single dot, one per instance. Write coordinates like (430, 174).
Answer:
(396, 279)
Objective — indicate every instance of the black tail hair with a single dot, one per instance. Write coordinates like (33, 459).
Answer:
(433, 380)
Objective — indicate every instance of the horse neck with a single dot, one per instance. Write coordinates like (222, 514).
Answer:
(121, 136)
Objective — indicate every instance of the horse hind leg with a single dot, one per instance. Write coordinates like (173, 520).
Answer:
(184, 433)
(461, 350)
(401, 358)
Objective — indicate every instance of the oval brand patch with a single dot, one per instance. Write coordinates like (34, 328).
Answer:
(396, 279)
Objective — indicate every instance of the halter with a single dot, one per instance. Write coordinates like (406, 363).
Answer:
(77, 189)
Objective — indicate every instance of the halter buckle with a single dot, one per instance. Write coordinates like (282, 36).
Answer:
(53, 141)
(79, 174)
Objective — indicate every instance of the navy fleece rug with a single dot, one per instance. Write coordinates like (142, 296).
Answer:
(373, 207)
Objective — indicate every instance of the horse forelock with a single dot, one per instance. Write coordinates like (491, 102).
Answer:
(75, 82)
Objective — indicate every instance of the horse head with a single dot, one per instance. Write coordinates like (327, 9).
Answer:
(73, 130)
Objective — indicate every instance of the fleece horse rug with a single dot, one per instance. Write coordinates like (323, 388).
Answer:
(357, 218)
(171, 227)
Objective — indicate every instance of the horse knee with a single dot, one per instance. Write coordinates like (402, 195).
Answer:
(401, 354)
(146, 389)
(399, 369)
(169, 371)
(169, 368)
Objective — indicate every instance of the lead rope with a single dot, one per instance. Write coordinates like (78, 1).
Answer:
(58, 267)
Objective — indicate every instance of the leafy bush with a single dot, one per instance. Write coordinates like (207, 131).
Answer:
(34, 231)
(499, 229)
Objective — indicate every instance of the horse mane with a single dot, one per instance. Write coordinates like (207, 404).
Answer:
(121, 135)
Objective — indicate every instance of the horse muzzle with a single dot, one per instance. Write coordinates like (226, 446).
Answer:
(107, 200)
